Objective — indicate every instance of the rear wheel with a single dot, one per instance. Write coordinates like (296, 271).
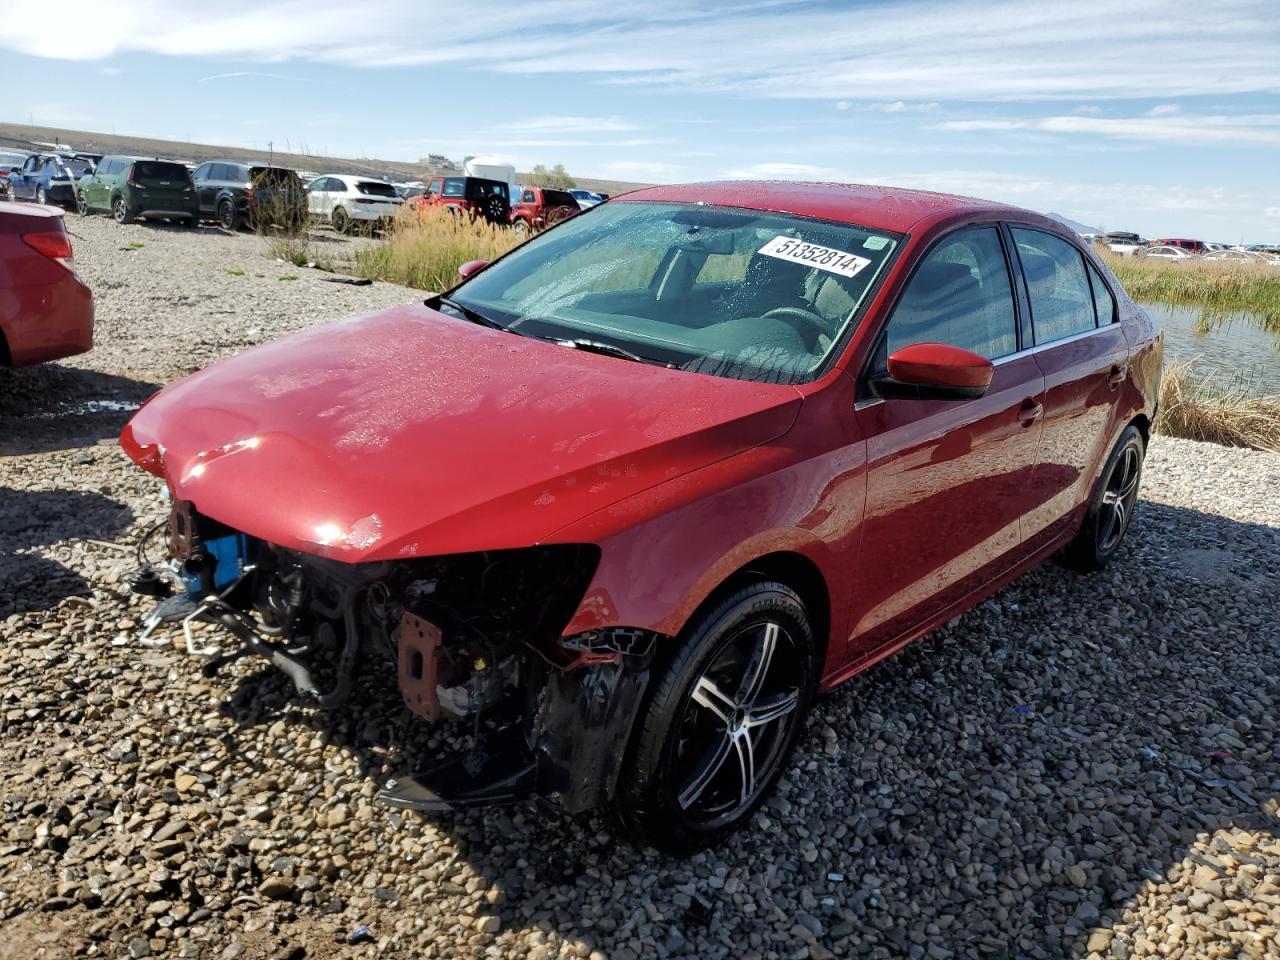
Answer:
(1111, 507)
(341, 222)
(722, 721)
(120, 211)
(227, 217)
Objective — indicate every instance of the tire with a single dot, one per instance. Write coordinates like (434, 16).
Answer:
(521, 227)
(341, 222)
(41, 196)
(694, 769)
(228, 219)
(1111, 506)
(496, 210)
(120, 211)
(82, 204)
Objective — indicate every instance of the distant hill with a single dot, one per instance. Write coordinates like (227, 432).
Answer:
(1075, 225)
(16, 136)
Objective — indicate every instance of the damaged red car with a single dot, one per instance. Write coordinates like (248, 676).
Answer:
(637, 492)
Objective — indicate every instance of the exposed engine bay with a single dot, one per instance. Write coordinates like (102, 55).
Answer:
(467, 636)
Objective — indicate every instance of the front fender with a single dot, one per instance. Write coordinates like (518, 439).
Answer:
(665, 550)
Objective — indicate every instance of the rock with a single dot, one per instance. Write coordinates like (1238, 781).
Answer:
(277, 887)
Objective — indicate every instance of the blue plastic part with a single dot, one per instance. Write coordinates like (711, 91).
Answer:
(229, 555)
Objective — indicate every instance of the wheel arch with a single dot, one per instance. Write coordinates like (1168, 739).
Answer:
(790, 568)
(1143, 423)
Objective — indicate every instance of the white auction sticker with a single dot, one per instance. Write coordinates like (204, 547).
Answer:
(812, 255)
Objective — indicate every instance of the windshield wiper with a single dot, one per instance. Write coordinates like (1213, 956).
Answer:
(599, 346)
(475, 316)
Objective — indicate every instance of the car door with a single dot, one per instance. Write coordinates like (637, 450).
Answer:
(90, 185)
(947, 480)
(201, 180)
(23, 185)
(1083, 353)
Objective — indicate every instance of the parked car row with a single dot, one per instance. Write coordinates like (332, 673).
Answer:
(1178, 248)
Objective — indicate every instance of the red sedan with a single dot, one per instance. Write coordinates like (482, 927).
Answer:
(640, 490)
(45, 311)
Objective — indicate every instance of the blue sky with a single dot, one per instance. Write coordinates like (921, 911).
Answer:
(1161, 116)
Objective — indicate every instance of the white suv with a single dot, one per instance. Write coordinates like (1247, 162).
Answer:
(342, 200)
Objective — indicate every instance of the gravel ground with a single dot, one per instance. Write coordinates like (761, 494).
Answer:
(1080, 767)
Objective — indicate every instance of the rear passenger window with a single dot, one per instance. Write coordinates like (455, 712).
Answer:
(1104, 304)
(1061, 301)
(959, 295)
(454, 188)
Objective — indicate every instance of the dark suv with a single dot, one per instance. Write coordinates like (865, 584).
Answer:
(236, 194)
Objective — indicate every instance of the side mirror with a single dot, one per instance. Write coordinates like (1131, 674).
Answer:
(934, 371)
(470, 267)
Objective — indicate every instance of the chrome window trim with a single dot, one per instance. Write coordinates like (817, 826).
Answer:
(1053, 343)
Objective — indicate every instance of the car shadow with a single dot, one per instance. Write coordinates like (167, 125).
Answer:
(1006, 787)
(57, 406)
(31, 519)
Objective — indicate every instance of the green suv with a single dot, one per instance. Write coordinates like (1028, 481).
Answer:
(135, 187)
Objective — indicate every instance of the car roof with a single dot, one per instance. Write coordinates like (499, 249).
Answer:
(878, 207)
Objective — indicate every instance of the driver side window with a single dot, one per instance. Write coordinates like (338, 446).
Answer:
(960, 295)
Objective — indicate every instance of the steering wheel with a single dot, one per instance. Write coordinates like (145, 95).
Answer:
(815, 322)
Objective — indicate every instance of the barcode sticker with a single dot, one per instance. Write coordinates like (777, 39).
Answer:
(812, 255)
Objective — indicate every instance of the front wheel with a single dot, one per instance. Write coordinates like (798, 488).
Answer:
(120, 211)
(341, 222)
(1111, 507)
(82, 205)
(722, 721)
(41, 196)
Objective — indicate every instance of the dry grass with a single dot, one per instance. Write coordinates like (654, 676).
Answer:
(424, 249)
(1222, 289)
(1199, 407)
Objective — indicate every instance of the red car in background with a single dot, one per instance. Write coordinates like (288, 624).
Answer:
(537, 208)
(641, 489)
(45, 311)
(475, 196)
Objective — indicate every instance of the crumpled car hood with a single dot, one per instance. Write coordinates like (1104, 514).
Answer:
(409, 433)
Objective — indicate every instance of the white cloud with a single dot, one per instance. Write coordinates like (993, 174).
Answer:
(1167, 128)
(565, 124)
(901, 106)
(842, 104)
(1271, 212)
(1004, 50)
(641, 171)
(778, 170)
(1087, 110)
(1164, 110)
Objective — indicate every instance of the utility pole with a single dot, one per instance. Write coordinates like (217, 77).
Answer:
(270, 153)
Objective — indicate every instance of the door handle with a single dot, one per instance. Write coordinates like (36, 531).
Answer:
(1030, 412)
(1117, 376)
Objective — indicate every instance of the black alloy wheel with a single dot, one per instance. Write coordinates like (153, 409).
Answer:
(227, 218)
(722, 721)
(1112, 506)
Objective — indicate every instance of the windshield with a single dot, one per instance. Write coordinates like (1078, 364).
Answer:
(153, 172)
(75, 167)
(731, 292)
(274, 177)
(375, 188)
